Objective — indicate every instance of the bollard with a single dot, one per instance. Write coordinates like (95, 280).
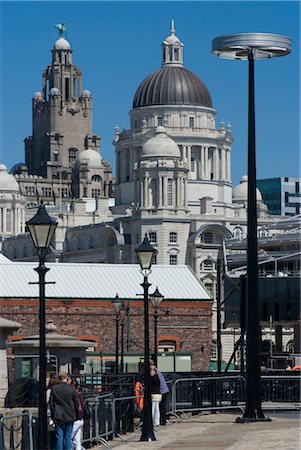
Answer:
(1, 433)
(25, 444)
(11, 438)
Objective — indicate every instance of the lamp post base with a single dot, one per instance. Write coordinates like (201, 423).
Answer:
(148, 436)
(257, 418)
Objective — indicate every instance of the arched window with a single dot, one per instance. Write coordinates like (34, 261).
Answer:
(237, 232)
(207, 265)
(96, 178)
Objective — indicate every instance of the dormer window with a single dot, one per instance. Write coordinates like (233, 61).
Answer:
(191, 122)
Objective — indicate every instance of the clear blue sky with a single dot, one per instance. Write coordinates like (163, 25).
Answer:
(116, 44)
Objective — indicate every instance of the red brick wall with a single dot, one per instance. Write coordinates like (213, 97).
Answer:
(94, 319)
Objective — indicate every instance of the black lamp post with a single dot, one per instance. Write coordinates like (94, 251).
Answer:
(250, 47)
(42, 228)
(156, 299)
(123, 314)
(145, 255)
(117, 305)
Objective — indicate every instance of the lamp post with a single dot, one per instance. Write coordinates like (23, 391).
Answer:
(123, 314)
(250, 47)
(156, 299)
(42, 228)
(145, 255)
(117, 305)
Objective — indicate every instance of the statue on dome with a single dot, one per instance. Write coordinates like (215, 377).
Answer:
(61, 27)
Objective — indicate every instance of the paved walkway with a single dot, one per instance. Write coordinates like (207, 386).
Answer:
(218, 432)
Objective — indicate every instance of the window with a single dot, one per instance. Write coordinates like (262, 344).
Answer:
(263, 233)
(73, 152)
(209, 286)
(85, 192)
(169, 192)
(30, 190)
(191, 122)
(152, 237)
(173, 237)
(55, 155)
(155, 258)
(96, 178)
(192, 164)
(160, 121)
(46, 191)
(173, 260)
(96, 193)
(207, 265)
(237, 233)
(137, 238)
(208, 238)
(214, 351)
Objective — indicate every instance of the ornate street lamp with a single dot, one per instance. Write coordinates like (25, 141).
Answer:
(252, 46)
(42, 228)
(117, 305)
(156, 299)
(145, 255)
(123, 314)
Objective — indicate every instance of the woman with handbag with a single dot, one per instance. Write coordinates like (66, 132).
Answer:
(156, 395)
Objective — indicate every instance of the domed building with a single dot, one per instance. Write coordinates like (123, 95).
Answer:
(177, 99)
(12, 206)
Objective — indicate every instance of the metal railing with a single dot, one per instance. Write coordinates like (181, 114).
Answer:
(114, 415)
(16, 431)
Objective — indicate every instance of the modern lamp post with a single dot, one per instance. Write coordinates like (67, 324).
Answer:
(42, 228)
(251, 47)
(156, 299)
(117, 305)
(123, 314)
(145, 255)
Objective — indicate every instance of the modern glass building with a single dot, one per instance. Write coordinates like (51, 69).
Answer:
(281, 195)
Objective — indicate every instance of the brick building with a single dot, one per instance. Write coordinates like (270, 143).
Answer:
(79, 303)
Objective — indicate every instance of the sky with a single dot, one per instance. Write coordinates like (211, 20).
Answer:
(117, 44)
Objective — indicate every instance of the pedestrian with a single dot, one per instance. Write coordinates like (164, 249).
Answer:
(64, 405)
(53, 380)
(79, 422)
(164, 390)
(155, 394)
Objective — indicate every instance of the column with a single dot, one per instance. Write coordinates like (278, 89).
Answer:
(189, 157)
(202, 163)
(228, 165)
(149, 192)
(174, 198)
(131, 164)
(216, 153)
(4, 219)
(164, 191)
(141, 193)
(206, 164)
(185, 193)
(160, 200)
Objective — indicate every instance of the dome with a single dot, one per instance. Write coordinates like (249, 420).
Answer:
(240, 192)
(37, 96)
(160, 146)
(172, 85)
(8, 183)
(86, 93)
(54, 91)
(89, 157)
(62, 44)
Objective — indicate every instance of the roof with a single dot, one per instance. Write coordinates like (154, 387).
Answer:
(172, 86)
(99, 281)
(6, 323)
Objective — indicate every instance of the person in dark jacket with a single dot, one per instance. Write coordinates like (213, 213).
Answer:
(156, 395)
(64, 405)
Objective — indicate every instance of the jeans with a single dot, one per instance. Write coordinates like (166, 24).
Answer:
(63, 434)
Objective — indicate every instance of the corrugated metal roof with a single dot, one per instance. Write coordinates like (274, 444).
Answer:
(76, 280)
